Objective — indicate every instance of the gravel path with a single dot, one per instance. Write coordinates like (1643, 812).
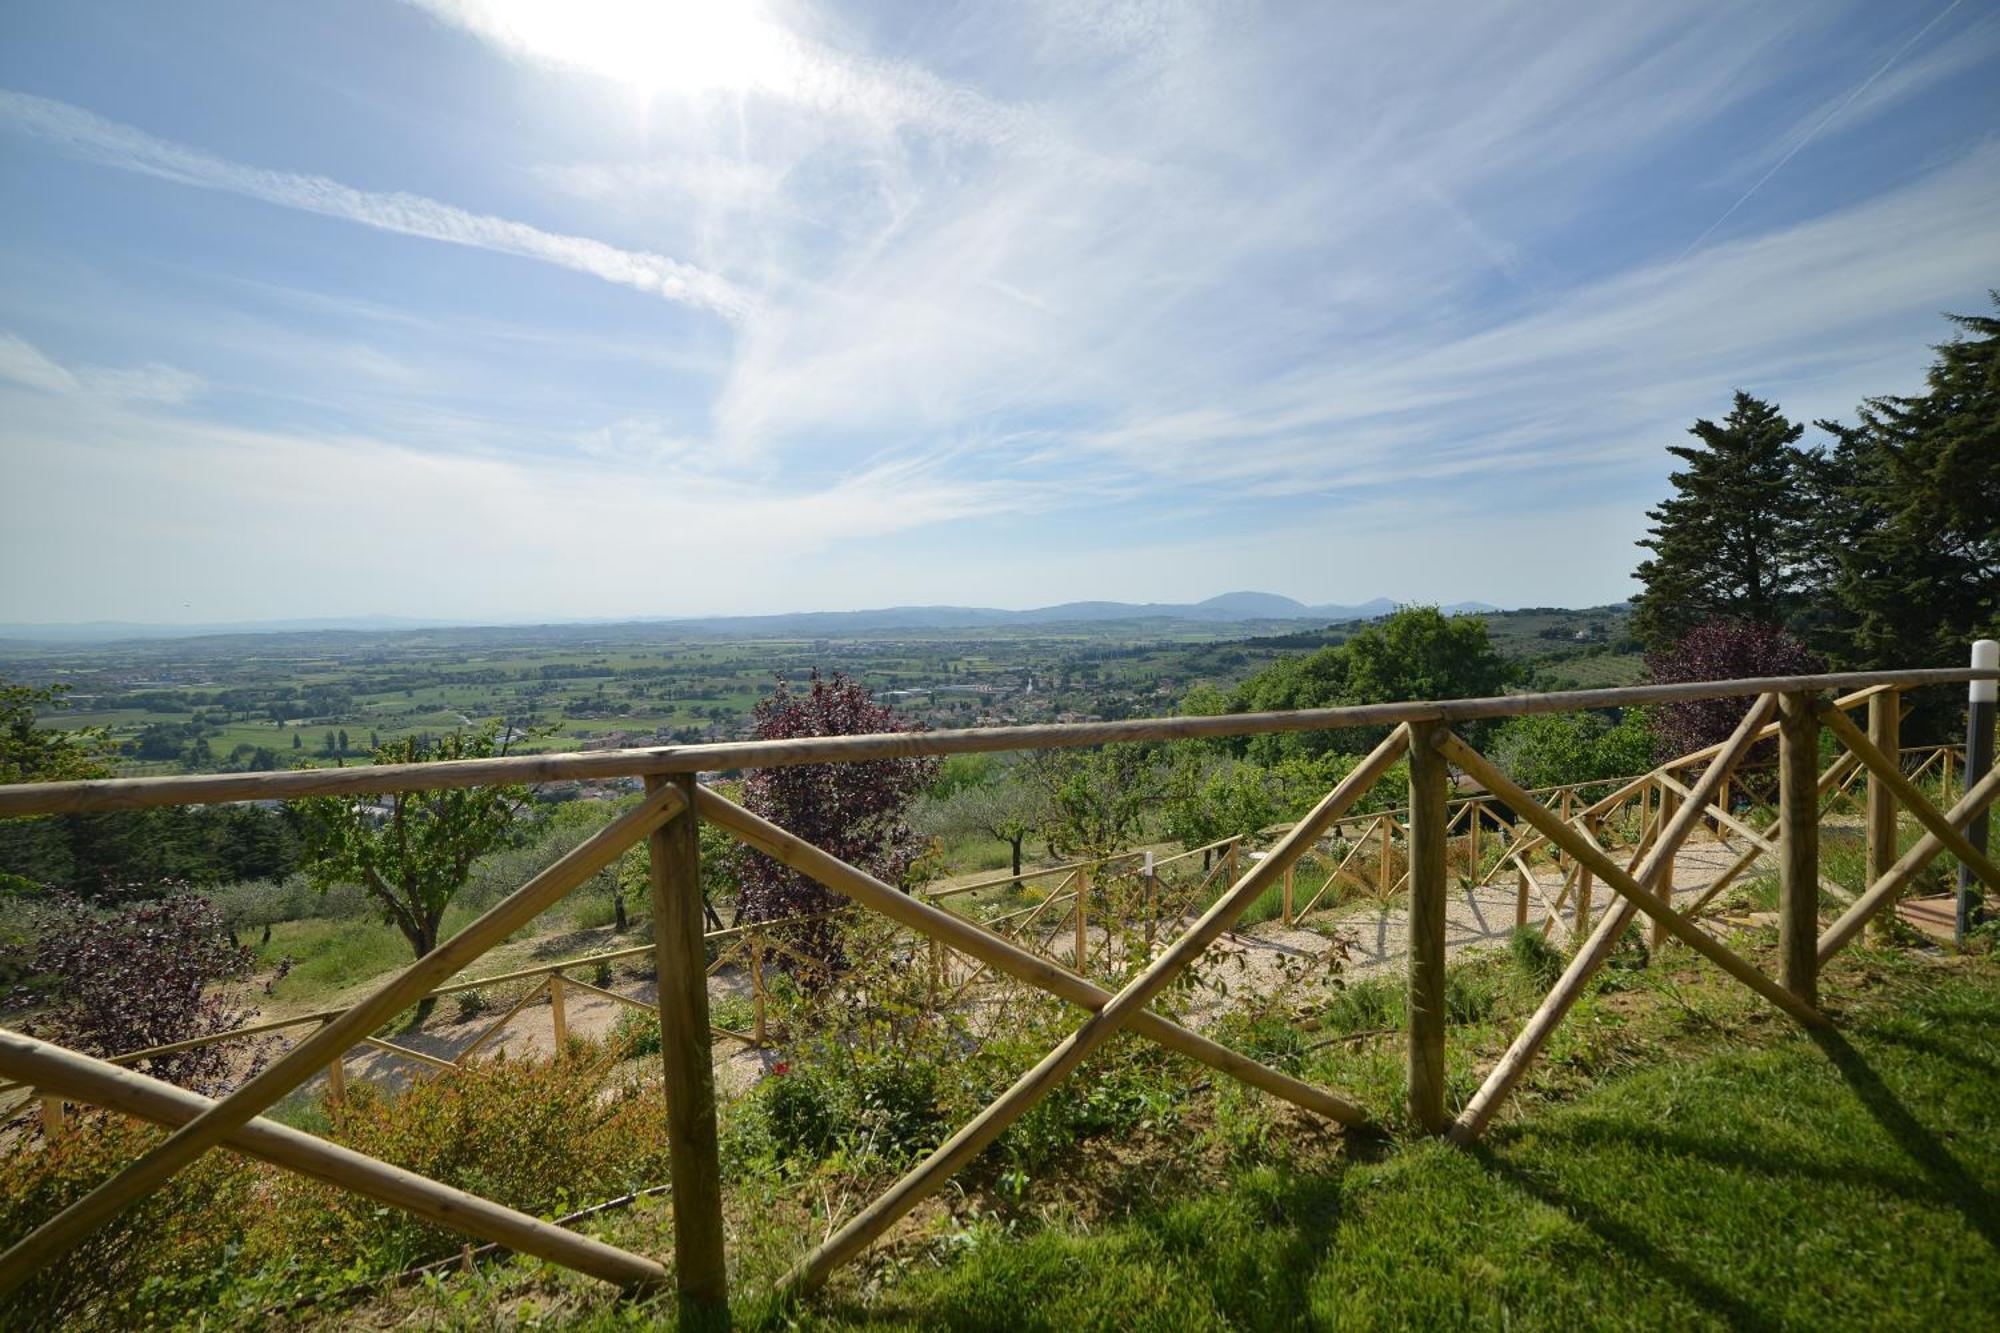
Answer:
(1256, 960)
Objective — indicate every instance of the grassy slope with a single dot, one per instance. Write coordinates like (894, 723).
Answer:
(1780, 1185)
(1680, 1158)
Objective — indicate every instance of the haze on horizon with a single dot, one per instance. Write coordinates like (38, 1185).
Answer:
(499, 311)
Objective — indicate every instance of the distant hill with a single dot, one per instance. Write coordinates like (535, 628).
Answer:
(1228, 608)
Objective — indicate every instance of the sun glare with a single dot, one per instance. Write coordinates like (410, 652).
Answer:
(658, 46)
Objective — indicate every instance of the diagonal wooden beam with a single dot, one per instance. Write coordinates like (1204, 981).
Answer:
(1128, 1004)
(1639, 892)
(83, 1079)
(1913, 800)
(1884, 890)
(61, 1232)
(1514, 1064)
(1002, 954)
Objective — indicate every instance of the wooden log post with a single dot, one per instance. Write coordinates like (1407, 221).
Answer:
(759, 1019)
(1583, 887)
(1429, 894)
(1386, 824)
(1885, 722)
(336, 1077)
(558, 1012)
(700, 1265)
(1798, 846)
(1082, 958)
(1472, 831)
(1521, 897)
(52, 1116)
(1669, 803)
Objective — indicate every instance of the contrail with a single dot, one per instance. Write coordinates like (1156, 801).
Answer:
(1845, 102)
(92, 138)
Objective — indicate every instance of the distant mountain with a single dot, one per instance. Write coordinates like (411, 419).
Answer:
(1228, 608)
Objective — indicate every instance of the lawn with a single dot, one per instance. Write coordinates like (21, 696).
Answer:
(1681, 1158)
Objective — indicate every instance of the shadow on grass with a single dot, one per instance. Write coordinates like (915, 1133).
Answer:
(1634, 1245)
(1953, 1183)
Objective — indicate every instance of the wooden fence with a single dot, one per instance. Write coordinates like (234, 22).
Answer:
(1671, 801)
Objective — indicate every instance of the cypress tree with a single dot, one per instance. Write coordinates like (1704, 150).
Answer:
(1732, 542)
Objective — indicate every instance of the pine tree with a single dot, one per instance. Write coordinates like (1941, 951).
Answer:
(1910, 513)
(1732, 542)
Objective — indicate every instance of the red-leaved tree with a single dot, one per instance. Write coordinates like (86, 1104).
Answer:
(1722, 650)
(858, 812)
(150, 975)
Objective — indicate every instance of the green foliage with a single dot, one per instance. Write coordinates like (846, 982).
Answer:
(33, 753)
(1732, 543)
(1533, 958)
(1417, 653)
(1910, 513)
(414, 853)
(160, 1260)
(1553, 749)
(1094, 800)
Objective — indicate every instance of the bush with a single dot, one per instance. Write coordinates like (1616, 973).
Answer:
(165, 1256)
(147, 976)
(635, 1034)
(1534, 959)
(537, 1135)
(469, 1004)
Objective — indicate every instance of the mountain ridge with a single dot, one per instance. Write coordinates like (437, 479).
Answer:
(1240, 607)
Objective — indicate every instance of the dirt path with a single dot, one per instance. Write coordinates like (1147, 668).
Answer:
(1256, 960)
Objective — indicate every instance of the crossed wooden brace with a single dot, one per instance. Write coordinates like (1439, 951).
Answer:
(226, 1120)
(1112, 1012)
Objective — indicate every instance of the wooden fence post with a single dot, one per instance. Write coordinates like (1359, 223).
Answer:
(1669, 802)
(1584, 883)
(1383, 879)
(1082, 921)
(700, 1265)
(52, 1116)
(1521, 898)
(1285, 916)
(1885, 723)
(1428, 896)
(1472, 827)
(1798, 846)
(558, 1012)
(336, 1079)
(758, 1022)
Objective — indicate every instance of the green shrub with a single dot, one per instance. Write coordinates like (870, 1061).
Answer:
(635, 1034)
(1535, 960)
(162, 1260)
(1373, 1005)
(469, 1004)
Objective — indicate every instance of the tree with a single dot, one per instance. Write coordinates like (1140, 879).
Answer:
(1094, 800)
(147, 976)
(1553, 749)
(33, 753)
(297, 744)
(1417, 653)
(1734, 540)
(857, 812)
(1910, 514)
(1721, 650)
(413, 853)
(1001, 807)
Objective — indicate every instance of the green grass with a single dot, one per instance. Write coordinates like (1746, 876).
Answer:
(1849, 1183)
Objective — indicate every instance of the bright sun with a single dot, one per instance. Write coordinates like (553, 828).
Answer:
(656, 45)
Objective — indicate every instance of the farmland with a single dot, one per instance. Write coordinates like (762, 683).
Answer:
(282, 700)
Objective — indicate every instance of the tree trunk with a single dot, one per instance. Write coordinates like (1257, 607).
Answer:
(619, 924)
(1017, 854)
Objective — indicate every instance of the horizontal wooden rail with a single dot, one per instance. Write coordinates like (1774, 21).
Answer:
(42, 798)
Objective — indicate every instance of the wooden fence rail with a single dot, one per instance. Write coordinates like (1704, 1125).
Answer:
(1662, 809)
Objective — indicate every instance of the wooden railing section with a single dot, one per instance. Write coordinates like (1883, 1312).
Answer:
(1671, 802)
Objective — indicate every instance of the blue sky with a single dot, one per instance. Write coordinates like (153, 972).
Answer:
(478, 309)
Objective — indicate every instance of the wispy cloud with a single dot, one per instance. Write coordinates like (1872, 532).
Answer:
(23, 363)
(108, 143)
